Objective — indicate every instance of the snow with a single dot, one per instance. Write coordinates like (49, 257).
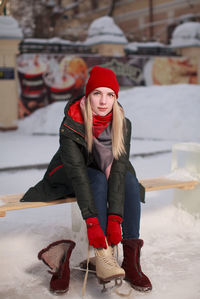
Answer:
(167, 125)
(9, 28)
(56, 40)
(51, 3)
(161, 116)
(133, 46)
(181, 174)
(186, 34)
(104, 30)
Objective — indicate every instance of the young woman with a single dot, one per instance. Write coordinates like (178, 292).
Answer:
(93, 164)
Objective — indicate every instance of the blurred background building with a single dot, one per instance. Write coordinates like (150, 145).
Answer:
(140, 20)
(47, 48)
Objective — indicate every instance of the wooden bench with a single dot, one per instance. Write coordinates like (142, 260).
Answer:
(12, 202)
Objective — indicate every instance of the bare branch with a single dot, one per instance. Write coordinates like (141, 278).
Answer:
(112, 7)
(2, 5)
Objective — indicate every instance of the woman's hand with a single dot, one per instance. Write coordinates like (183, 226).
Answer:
(114, 232)
(96, 235)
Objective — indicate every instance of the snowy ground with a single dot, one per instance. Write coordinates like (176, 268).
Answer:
(161, 116)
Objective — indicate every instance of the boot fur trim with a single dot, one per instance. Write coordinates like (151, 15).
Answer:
(55, 253)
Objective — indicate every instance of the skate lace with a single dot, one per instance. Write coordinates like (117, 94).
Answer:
(86, 274)
(111, 261)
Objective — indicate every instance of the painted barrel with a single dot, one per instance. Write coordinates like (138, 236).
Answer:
(33, 90)
(59, 88)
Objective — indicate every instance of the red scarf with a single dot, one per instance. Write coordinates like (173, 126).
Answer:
(100, 123)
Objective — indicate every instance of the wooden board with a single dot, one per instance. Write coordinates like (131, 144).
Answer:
(12, 202)
(161, 183)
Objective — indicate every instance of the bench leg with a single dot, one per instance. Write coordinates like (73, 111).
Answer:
(186, 157)
(188, 200)
(2, 214)
(79, 233)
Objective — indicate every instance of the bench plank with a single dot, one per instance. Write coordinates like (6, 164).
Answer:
(12, 202)
(161, 183)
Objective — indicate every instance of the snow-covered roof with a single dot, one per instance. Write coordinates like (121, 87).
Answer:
(104, 30)
(53, 40)
(9, 28)
(135, 45)
(186, 34)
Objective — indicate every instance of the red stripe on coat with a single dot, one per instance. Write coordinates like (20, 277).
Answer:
(59, 166)
(74, 130)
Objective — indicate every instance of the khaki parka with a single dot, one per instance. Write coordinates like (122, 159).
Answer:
(67, 175)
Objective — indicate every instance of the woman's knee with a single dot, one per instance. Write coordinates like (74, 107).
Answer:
(97, 178)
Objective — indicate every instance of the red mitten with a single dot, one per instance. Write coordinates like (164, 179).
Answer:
(114, 232)
(95, 233)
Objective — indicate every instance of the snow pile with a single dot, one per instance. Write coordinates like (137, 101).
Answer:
(134, 46)
(53, 40)
(9, 28)
(181, 174)
(46, 120)
(160, 112)
(104, 30)
(167, 112)
(186, 34)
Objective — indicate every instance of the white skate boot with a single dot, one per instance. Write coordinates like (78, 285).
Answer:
(107, 268)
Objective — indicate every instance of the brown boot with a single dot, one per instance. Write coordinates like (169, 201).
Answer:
(131, 265)
(56, 256)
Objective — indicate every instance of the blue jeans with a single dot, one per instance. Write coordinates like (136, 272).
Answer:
(132, 209)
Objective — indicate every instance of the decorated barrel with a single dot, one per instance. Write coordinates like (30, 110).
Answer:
(66, 78)
(32, 87)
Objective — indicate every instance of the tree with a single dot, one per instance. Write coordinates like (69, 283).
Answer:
(39, 18)
(2, 6)
(112, 7)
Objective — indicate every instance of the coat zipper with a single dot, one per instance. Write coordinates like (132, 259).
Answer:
(74, 130)
(77, 133)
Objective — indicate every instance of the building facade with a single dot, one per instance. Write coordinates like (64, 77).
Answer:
(141, 20)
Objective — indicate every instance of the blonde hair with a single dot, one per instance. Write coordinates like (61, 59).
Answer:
(118, 127)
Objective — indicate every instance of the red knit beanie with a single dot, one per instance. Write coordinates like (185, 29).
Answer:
(101, 77)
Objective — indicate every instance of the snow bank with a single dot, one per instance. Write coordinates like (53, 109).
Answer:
(164, 112)
(46, 120)
(9, 28)
(56, 40)
(186, 34)
(157, 112)
(104, 30)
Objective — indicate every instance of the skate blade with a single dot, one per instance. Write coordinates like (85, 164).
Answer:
(118, 282)
(109, 279)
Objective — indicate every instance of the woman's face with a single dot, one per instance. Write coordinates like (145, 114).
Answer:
(102, 100)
